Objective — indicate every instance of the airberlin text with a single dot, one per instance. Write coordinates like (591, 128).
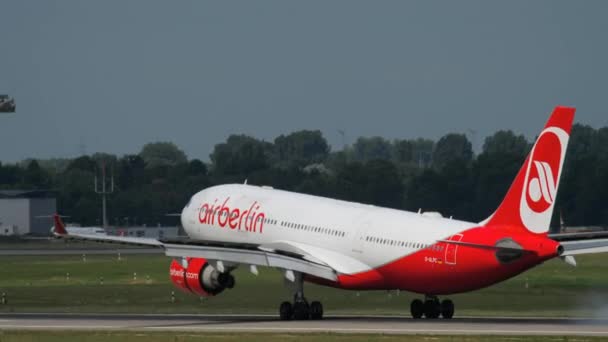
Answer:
(180, 274)
(216, 214)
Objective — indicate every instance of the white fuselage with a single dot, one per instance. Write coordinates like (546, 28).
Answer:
(373, 236)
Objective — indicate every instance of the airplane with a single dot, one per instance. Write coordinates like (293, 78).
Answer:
(355, 246)
(73, 229)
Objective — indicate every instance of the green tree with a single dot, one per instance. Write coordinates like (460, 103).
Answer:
(452, 147)
(495, 169)
(506, 142)
(425, 192)
(457, 196)
(197, 168)
(84, 163)
(422, 152)
(403, 151)
(366, 149)
(240, 155)
(376, 182)
(35, 177)
(582, 195)
(10, 176)
(502, 156)
(130, 171)
(162, 154)
(301, 148)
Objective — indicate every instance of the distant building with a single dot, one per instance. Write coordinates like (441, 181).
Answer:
(21, 211)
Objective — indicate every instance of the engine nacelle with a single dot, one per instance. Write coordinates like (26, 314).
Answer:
(177, 273)
(199, 277)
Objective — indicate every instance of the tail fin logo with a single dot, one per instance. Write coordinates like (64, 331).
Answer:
(543, 188)
(542, 177)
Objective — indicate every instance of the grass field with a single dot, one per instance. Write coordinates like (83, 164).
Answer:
(140, 284)
(69, 336)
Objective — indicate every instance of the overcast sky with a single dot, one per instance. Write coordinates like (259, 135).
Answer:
(111, 76)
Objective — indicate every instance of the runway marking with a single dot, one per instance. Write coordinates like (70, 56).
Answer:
(336, 324)
(432, 330)
(405, 317)
(313, 329)
(392, 330)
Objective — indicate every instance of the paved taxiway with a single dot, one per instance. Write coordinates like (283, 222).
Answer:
(336, 324)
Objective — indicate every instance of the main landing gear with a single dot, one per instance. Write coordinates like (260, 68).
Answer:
(432, 308)
(300, 309)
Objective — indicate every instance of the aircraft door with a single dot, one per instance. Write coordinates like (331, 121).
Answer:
(452, 249)
(363, 227)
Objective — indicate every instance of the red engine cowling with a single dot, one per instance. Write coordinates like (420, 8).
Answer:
(177, 273)
(199, 277)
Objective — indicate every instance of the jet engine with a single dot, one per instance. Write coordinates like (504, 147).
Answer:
(197, 276)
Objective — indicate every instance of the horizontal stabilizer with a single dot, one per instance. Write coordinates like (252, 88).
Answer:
(585, 247)
(490, 247)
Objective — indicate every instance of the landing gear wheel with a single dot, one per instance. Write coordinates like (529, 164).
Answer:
(417, 308)
(432, 308)
(447, 309)
(230, 282)
(286, 311)
(316, 310)
(301, 311)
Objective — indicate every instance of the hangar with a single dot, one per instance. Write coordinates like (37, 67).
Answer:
(21, 211)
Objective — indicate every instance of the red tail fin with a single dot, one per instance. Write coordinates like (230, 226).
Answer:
(529, 202)
(59, 226)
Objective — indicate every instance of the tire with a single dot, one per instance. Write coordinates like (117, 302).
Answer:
(447, 309)
(432, 309)
(417, 308)
(316, 310)
(230, 282)
(286, 311)
(301, 311)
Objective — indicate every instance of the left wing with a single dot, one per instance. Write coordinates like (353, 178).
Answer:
(281, 256)
(242, 254)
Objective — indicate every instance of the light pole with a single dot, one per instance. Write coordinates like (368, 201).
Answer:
(103, 192)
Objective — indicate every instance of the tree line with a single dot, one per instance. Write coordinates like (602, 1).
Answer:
(412, 174)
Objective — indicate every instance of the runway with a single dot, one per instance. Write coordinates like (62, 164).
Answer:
(333, 323)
